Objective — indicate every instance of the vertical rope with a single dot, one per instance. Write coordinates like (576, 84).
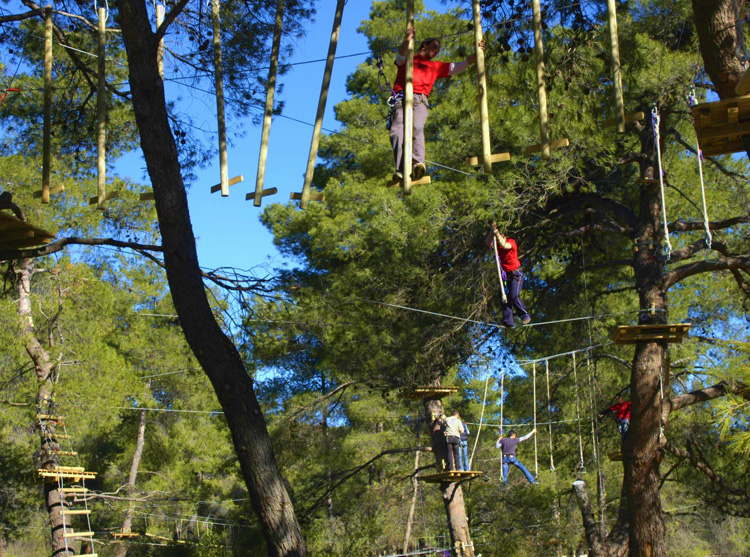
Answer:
(549, 419)
(499, 268)
(536, 453)
(655, 122)
(481, 416)
(578, 411)
(706, 225)
(592, 400)
(502, 397)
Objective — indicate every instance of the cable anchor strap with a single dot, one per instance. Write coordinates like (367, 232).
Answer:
(655, 124)
(692, 100)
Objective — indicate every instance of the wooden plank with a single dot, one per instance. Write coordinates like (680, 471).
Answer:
(233, 181)
(78, 534)
(733, 114)
(75, 489)
(65, 453)
(50, 417)
(629, 119)
(314, 196)
(13, 235)
(27, 243)
(219, 88)
(72, 512)
(10, 222)
(261, 194)
(107, 197)
(743, 87)
(125, 534)
(58, 436)
(631, 334)
(421, 182)
(52, 191)
(486, 157)
(616, 457)
(429, 392)
(451, 476)
(723, 131)
(556, 144)
(68, 475)
(497, 157)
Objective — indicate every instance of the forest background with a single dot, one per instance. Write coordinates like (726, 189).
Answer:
(329, 341)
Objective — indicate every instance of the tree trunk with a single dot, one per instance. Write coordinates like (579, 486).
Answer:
(215, 352)
(589, 521)
(641, 446)
(415, 485)
(453, 495)
(54, 500)
(127, 524)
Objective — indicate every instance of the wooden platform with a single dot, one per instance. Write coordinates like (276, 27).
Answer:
(720, 125)
(451, 476)
(125, 535)
(429, 393)
(632, 334)
(74, 473)
(18, 234)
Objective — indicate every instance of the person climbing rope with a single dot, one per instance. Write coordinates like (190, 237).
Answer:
(426, 72)
(464, 446)
(507, 252)
(454, 427)
(508, 445)
(621, 410)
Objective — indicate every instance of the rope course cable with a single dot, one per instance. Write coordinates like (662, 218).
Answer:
(481, 415)
(692, 100)
(549, 418)
(578, 414)
(655, 123)
(536, 451)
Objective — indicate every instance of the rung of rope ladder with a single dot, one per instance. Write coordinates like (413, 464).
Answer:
(314, 196)
(498, 157)
(233, 181)
(556, 144)
(76, 511)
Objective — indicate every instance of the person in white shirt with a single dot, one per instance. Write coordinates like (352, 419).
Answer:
(454, 427)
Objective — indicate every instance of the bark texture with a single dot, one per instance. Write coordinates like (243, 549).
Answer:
(453, 495)
(217, 355)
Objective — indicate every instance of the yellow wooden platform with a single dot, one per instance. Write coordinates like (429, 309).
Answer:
(451, 476)
(632, 334)
(74, 473)
(428, 393)
(720, 125)
(18, 234)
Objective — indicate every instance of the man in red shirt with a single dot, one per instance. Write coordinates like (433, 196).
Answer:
(508, 253)
(426, 72)
(621, 410)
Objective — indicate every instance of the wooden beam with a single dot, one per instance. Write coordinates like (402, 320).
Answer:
(263, 193)
(616, 67)
(52, 191)
(101, 108)
(451, 476)
(47, 118)
(314, 196)
(482, 89)
(423, 181)
(160, 48)
(498, 157)
(629, 119)
(322, 104)
(219, 84)
(541, 83)
(743, 87)
(107, 197)
(268, 112)
(233, 181)
(556, 144)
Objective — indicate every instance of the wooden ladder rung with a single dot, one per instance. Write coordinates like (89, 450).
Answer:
(314, 196)
(498, 157)
(76, 511)
(74, 490)
(50, 417)
(556, 144)
(233, 181)
(78, 535)
(64, 453)
(107, 197)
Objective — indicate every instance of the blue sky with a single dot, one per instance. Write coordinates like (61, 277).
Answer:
(228, 229)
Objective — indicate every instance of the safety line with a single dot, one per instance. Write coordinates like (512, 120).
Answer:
(585, 349)
(170, 410)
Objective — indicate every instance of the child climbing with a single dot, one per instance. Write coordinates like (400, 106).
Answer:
(621, 410)
(426, 72)
(508, 445)
(507, 252)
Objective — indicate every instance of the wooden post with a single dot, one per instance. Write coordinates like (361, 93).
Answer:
(160, 48)
(408, 103)
(270, 90)
(219, 78)
(616, 68)
(322, 103)
(101, 109)
(482, 88)
(47, 125)
(541, 83)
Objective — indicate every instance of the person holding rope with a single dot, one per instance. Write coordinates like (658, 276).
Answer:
(621, 410)
(508, 445)
(426, 72)
(507, 252)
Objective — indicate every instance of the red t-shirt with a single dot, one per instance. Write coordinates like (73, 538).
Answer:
(622, 410)
(426, 72)
(509, 257)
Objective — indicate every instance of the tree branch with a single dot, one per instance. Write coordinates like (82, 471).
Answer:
(671, 278)
(701, 395)
(686, 226)
(54, 247)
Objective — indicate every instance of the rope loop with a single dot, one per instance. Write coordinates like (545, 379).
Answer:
(655, 122)
(106, 9)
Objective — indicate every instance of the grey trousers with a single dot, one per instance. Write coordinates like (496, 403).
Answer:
(421, 109)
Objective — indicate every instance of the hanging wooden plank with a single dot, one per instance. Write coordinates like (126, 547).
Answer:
(101, 110)
(160, 48)
(487, 158)
(322, 103)
(408, 103)
(233, 181)
(47, 121)
(616, 67)
(219, 79)
(268, 113)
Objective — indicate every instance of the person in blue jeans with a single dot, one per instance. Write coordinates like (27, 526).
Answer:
(464, 447)
(508, 445)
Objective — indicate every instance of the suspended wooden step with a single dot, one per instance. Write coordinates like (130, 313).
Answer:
(50, 418)
(628, 119)
(119, 535)
(74, 473)
(314, 196)
(73, 490)
(423, 181)
(539, 147)
(479, 161)
(53, 435)
(106, 197)
(72, 512)
(616, 457)
(632, 334)
(64, 453)
(429, 393)
(18, 234)
(233, 181)
(720, 125)
(78, 535)
(125, 534)
(451, 476)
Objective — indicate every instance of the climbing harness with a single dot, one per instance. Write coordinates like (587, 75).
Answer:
(655, 121)
(692, 101)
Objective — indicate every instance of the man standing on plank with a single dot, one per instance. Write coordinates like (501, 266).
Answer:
(426, 72)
